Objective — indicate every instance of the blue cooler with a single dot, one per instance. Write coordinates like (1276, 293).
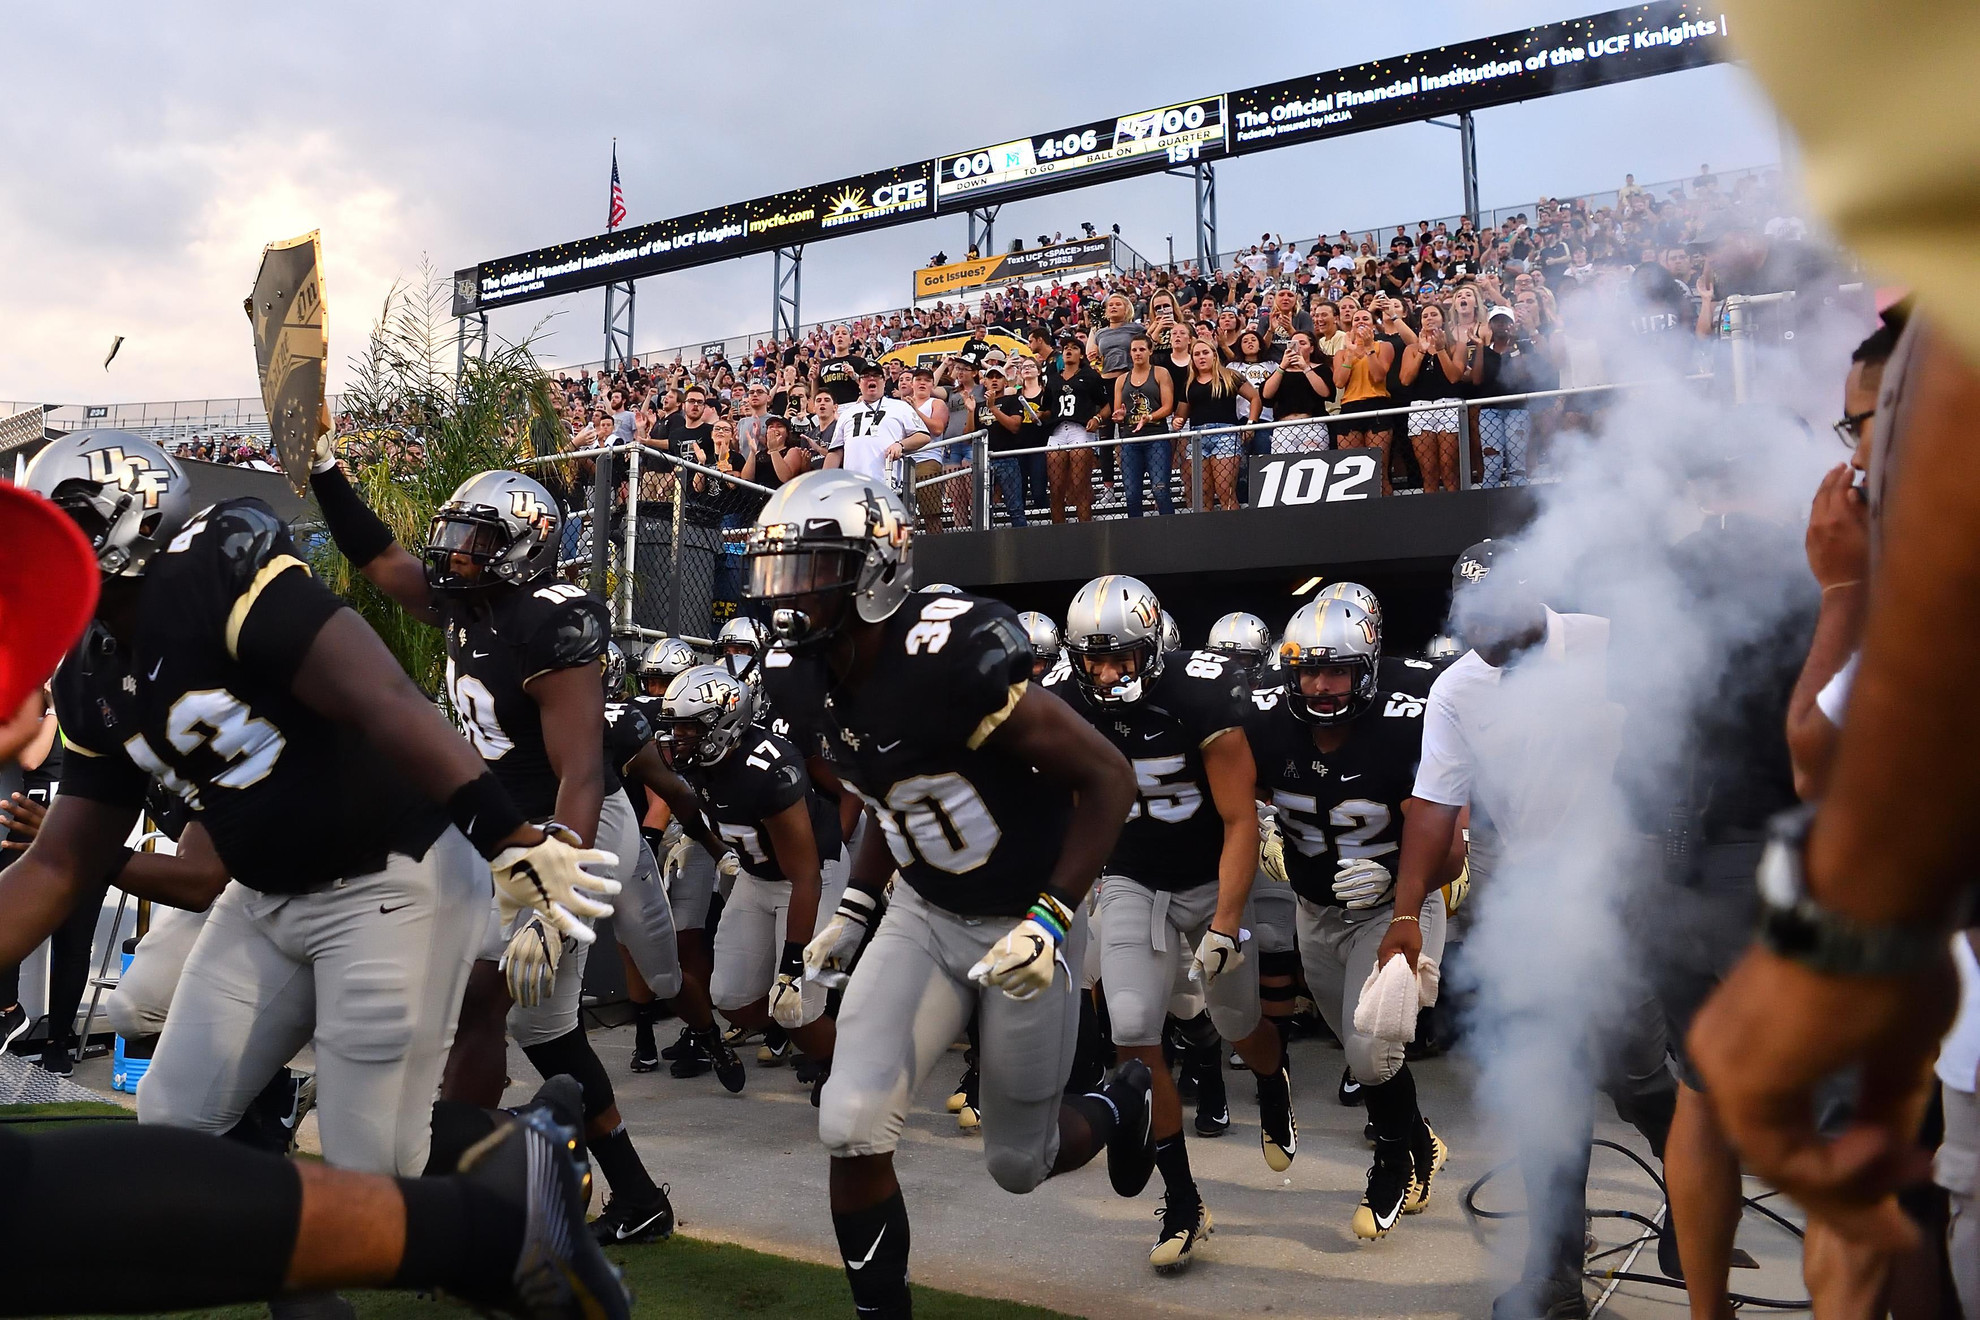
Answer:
(126, 1072)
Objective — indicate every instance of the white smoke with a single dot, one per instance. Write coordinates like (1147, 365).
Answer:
(1556, 944)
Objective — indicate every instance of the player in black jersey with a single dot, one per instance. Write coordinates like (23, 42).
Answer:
(753, 784)
(997, 804)
(1047, 648)
(1336, 757)
(1182, 870)
(522, 675)
(219, 666)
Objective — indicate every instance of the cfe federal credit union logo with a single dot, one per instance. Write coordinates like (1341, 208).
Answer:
(131, 473)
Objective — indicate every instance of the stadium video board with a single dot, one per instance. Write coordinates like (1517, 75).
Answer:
(1640, 41)
(1083, 154)
(824, 210)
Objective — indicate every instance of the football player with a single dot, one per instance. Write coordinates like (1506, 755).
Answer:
(523, 651)
(997, 805)
(740, 645)
(217, 664)
(1398, 673)
(1245, 639)
(690, 876)
(1180, 876)
(1336, 756)
(753, 784)
(1046, 647)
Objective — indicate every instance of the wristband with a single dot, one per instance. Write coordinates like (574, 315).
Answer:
(1403, 916)
(482, 809)
(859, 905)
(358, 532)
(792, 963)
(1053, 915)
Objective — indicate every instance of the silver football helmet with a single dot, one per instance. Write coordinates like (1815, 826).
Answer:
(1356, 593)
(740, 646)
(613, 663)
(129, 497)
(942, 589)
(1243, 637)
(507, 524)
(1171, 633)
(1045, 641)
(1115, 620)
(706, 711)
(1328, 634)
(828, 545)
(666, 658)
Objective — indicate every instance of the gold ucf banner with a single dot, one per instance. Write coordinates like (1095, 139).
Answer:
(1013, 268)
(290, 352)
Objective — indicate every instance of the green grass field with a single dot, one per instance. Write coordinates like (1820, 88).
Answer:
(680, 1279)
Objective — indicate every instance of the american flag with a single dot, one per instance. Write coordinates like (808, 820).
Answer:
(616, 215)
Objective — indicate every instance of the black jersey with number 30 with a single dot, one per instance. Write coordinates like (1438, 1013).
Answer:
(201, 701)
(1342, 804)
(975, 831)
(761, 776)
(493, 650)
(1174, 835)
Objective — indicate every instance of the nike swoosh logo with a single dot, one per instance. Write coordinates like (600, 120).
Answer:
(155, 668)
(384, 911)
(1345, 778)
(624, 1231)
(1349, 1088)
(479, 655)
(868, 1259)
(888, 747)
(1388, 1221)
(1151, 737)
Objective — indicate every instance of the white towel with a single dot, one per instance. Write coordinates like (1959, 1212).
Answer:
(1391, 996)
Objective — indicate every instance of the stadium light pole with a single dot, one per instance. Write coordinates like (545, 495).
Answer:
(983, 228)
(618, 325)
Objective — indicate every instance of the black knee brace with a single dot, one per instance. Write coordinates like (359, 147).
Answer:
(572, 1053)
(1198, 1033)
(1279, 962)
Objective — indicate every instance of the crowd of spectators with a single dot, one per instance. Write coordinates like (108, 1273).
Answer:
(231, 450)
(1404, 326)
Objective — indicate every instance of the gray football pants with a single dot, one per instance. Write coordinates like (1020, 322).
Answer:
(1337, 951)
(137, 1007)
(692, 889)
(371, 967)
(641, 920)
(750, 939)
(909, 999)
(1147, 938)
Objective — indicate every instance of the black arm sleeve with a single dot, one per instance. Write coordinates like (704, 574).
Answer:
(358, 531)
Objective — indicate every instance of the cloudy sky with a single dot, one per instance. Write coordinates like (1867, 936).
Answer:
(152, 150)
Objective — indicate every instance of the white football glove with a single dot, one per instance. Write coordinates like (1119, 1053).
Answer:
(1021, 964)
(550, 878)
(1272, 849)
(787, 995)
(1362, 882)
(726, 868)
(1216, 954)
(529, 964)
(831, 950)
(676, 859)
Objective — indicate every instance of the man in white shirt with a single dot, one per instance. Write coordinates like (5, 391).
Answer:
(1521, 730)
(874, 432)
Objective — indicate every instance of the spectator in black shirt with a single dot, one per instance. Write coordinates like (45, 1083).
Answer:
(685, 433)
(1080, 401)
(1299, 387)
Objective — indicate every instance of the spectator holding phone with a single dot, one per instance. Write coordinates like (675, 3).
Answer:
(1143, 399)
(1432, 368)
(1210, 401)
(1361, 374)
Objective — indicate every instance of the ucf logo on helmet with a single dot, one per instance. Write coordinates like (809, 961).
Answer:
(128, 473)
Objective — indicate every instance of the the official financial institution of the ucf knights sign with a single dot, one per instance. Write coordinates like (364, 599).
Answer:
(1623, 44)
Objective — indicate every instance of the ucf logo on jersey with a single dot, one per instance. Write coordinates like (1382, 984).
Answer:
(128, 473)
